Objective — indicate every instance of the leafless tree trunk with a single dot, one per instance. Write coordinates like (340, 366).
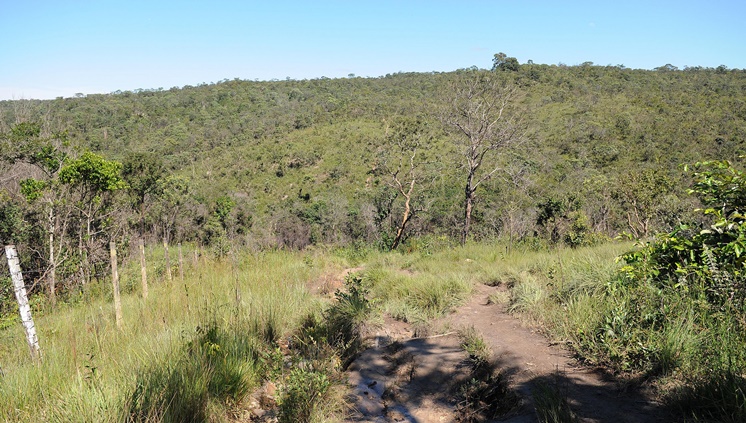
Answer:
(405, 189)
(481, 112)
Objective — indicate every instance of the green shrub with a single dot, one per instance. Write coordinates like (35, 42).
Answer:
(347, 317)
(303, 396)
(709, 262)
(474, 345)
(487, 394)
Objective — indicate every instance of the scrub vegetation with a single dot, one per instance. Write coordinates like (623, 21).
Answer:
(608, 202)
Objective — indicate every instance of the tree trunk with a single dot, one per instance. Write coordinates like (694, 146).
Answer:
(87, 261)
(469, 203)
(404, 220)
(23, 306)
(142, 216)
(81, 272)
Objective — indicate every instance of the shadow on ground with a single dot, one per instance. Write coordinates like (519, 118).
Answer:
(423, 380)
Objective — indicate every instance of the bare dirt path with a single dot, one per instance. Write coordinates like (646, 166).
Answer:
(529, 360)
(406, 379)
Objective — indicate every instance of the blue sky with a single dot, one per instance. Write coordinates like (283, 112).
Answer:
(59, 48)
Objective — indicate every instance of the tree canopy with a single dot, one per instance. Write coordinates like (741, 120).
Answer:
(298, 160)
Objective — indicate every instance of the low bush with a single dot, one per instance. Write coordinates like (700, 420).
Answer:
(486, 395)
(347, 318)
(717, 397)
(303, 396)
(673, 311)
(551, 404)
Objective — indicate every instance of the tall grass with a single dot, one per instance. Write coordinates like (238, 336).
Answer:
(416, 296)
(423, 286)
(207, 330)
(197, 347)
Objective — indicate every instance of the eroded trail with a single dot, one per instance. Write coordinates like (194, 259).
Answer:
(528, 359)
(407, 381)
(417, 380)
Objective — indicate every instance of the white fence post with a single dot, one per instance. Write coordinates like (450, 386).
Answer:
(23, 306)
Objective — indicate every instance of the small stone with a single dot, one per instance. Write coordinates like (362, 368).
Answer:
(270, 389)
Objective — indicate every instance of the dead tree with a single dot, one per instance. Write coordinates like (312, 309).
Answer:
(483, 117)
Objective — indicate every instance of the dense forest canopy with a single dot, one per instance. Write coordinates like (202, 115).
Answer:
(293, 163)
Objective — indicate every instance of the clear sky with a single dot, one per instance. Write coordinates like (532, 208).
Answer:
(51, 48)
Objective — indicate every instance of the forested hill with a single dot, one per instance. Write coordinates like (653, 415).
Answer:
(292, 163)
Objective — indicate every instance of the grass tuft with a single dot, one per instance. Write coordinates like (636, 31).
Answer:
(474, 345)
(551, 404)
(303, 399)
(216, 365)
(718, 397)
(347, 318)
(487, 394)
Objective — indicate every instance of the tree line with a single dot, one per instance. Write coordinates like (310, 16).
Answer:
(540, 154)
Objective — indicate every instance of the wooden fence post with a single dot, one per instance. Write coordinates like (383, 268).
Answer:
(181, 265)
(143, 270)
(168, 262)
(115, 283)
(23, 306)
(52, 276)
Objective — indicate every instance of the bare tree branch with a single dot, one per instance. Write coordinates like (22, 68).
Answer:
(486, 123)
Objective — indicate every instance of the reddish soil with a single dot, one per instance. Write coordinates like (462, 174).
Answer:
(406, 379)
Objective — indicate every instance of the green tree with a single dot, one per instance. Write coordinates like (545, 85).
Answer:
(641, 195)
(45, 153)
(501, 62)
(175, 208)
(26, 143)
(707, 261)
(93, 181)
(144, 173)
(13, 228)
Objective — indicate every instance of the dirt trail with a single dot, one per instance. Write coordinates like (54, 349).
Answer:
(528, 359)
(415, 380)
